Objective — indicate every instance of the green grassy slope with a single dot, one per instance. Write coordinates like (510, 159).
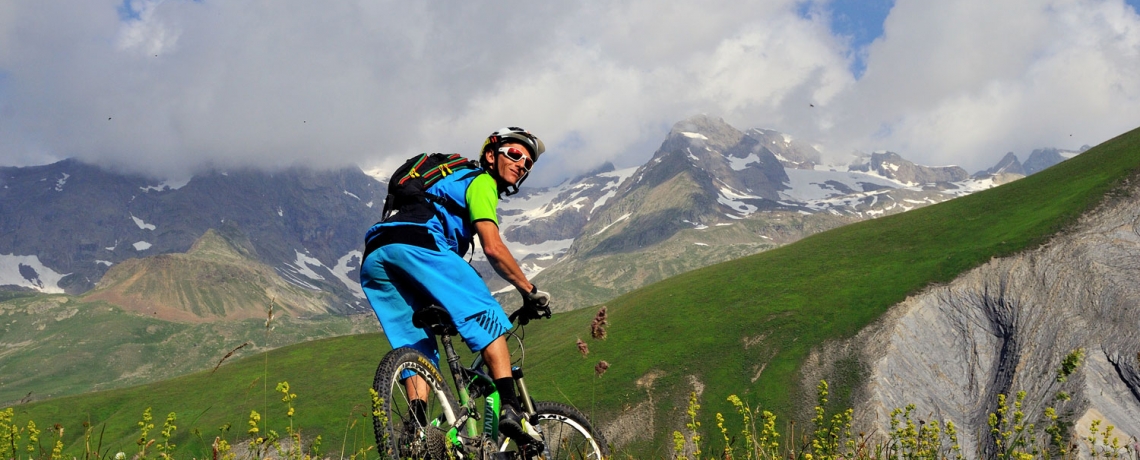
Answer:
(58, 345)
(719, 326)
(330, 377)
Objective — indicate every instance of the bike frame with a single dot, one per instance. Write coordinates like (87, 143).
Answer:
(471, 383)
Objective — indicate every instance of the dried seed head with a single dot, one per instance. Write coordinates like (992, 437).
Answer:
(583, 348)
(598, 326)
(600, 368)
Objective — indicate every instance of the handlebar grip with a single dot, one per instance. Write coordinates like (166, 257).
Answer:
(528, 312)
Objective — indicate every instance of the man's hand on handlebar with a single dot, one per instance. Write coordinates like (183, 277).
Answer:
(536, 304)
(536, 297)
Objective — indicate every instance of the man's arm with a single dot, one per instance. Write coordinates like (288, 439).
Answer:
(500, 256)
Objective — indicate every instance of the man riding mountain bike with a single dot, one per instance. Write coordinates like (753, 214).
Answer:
(410, 264)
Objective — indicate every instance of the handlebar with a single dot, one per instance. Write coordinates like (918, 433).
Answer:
(525, 313)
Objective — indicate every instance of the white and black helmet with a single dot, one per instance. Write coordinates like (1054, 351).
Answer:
(513, 134)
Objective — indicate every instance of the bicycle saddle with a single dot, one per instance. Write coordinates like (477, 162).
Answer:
(435, 319)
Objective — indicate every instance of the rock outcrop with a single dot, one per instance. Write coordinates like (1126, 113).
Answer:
(1005, 327)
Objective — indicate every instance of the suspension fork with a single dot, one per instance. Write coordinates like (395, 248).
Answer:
(462, 382)
(517, 374)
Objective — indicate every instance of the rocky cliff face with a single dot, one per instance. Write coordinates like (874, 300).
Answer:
(1005, 327)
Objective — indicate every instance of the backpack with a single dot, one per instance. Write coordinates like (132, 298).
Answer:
(408, 199)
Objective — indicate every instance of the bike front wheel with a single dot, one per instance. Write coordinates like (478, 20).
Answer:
(400, 431)
(566, 434)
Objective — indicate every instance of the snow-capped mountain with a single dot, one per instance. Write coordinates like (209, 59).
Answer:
(63, 225)
(709, 193)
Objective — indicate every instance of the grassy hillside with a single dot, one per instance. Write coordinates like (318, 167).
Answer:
(156, 318)
(57, 345)
(589, 280)
(331, 378)
(742, 327)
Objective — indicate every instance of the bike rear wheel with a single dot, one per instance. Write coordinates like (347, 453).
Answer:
(566, 434)
(399, 434)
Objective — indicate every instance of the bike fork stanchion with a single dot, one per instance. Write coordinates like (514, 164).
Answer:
(517, 374)
(464, 419)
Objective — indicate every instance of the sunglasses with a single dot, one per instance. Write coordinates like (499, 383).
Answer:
(516, 156)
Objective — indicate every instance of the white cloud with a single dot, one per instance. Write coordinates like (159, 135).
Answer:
(182, 84)
(962, 82)
(147, 35)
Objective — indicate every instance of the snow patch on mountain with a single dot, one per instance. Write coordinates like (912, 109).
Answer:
(346, 192)
(611, 188)
(346, 265)
(967, 187)
(302, 263)
(544, 203)
(607, 227)
(166, 185)
(141, 245)
(142, 225)
(695, 136)
(533, 206)
(809, 185)
(28, 272)
(732, 198)
(740, 164)
(59, 183)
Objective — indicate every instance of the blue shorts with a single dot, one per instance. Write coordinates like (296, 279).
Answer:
(399, 279)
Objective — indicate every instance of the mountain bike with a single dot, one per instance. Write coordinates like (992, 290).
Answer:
(468, 427)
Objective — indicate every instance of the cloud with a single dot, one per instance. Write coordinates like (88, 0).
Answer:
(962, 82)
(166, 87)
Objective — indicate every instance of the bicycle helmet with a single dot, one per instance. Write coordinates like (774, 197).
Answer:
(512, 134)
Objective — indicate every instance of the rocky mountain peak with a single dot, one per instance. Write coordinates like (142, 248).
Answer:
(893, 166)
(792, 153)
(1009, 164)
(1042, 159)
(703, 130)
(212, 245)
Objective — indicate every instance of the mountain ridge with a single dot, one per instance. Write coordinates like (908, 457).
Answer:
(214, 280)
(66, 223)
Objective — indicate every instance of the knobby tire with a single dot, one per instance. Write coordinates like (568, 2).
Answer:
(398, 433)
(567, 434)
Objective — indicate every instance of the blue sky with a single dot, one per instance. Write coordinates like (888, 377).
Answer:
(862, 21)
(164, 87)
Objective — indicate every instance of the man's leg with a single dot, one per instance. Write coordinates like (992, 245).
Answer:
(481, 321)
(498, 359)
(381, 281)
(417, 397)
